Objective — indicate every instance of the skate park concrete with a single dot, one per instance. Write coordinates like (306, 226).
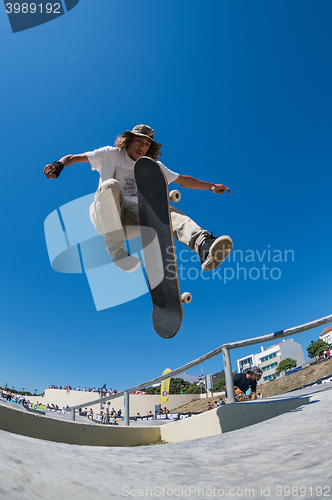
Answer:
(284, 457)
(210, 423)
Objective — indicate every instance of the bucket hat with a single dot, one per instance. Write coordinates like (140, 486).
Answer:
(143, 131)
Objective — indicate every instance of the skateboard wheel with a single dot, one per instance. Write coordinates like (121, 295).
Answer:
(186, 297)
(175, 196)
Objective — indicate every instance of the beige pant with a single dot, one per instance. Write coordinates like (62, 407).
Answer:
(116, 218)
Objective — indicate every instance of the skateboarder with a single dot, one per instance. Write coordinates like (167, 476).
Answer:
(114, 211)
(248, 380)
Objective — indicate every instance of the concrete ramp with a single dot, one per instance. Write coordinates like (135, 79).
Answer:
(21, 422)
(211, 423)
(228, 418)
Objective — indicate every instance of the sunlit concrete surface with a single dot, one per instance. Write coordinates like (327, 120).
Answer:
(228, 418)
(285, 457)
(56, 427)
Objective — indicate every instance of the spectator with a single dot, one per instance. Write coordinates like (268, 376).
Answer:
(106, 416)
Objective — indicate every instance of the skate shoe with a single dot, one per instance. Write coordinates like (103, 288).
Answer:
(126, 262)
(213, 251)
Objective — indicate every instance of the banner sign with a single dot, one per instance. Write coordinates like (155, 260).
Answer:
(164, 388)
(36, 408)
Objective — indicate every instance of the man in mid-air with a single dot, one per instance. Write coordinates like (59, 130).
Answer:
(114, 211)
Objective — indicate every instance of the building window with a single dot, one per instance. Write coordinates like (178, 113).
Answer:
(271, 377)
(269, 367)
(270, 356)
(245, 364)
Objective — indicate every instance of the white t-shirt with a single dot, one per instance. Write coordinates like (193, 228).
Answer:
(114, 163)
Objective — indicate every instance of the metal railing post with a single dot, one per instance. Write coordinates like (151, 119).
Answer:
(72, 414)
(126, 408)
(228, 375)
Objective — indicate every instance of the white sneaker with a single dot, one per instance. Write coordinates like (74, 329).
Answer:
(213, 251)
(126, 262)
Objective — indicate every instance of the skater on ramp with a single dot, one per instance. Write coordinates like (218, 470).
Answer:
(245, 381)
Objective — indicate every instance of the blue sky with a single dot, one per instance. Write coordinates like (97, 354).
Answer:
(238, 93)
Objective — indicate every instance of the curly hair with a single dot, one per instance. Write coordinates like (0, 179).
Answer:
(122, 142)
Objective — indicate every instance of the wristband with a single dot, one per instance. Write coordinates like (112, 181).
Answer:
(213, 187)
(58, 168)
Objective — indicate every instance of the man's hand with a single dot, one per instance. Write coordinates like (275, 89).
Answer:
(220, 189)
(52, 170)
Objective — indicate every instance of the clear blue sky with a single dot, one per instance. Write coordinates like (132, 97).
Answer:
(238, 93)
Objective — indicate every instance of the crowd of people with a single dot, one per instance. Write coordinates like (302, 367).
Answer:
(327, 354)
(13, 397)
(107, 415)
(102, 391)
(20, 399)
(215, 404)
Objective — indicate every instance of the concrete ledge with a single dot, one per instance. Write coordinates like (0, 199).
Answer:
(50, 429)
(223, 419)
(228, 418)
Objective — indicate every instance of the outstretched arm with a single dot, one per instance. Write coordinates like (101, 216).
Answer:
(191, 183)
(50, 169)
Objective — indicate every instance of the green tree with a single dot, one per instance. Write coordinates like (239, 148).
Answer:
(219, 386)
(195, 389)
(176, 386)
(317, 348)
(152, 390)
(286, 364)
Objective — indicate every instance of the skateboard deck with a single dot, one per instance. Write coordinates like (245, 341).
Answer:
(240, 396)
(158, 247)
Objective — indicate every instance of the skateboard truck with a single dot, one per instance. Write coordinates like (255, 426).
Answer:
(175, 196)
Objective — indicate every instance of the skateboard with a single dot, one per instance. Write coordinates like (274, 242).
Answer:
(158, 247)
(240, 395)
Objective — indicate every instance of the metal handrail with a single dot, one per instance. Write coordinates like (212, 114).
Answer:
(224, 349)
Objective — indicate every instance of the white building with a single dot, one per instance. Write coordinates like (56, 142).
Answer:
(326, 335)
(269, 359)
